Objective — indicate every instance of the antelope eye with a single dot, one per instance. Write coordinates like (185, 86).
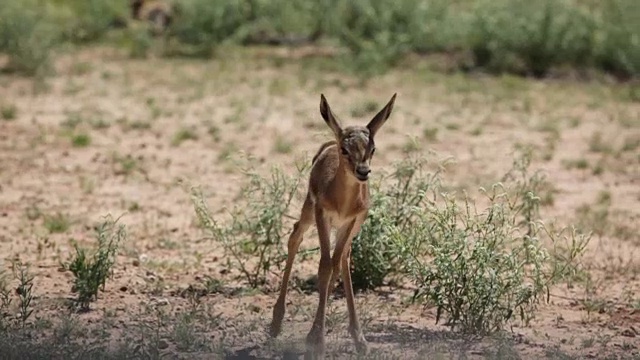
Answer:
(373, 151)
(344, 151)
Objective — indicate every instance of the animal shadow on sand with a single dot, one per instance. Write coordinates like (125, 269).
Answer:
(387, 341)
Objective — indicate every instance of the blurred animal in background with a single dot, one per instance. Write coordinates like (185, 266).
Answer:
(158, 13)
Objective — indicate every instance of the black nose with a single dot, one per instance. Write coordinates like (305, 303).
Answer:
(362, 174)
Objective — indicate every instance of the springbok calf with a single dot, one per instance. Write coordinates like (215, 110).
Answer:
(157, 12)
(338, 197)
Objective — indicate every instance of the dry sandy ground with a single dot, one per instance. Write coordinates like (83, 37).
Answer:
(587, 137)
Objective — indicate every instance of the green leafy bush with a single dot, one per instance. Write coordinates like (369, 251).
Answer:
(202, 25)
(531, 37)
(618, 50)
(484, 268)
(91, 270)
(84, 21)
(395, 209)
(27, 35)
(252, 240)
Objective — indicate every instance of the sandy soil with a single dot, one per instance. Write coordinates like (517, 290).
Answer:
(266, 104)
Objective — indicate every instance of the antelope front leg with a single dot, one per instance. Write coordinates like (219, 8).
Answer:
(315, 338)
(299, 228)
(354, 323)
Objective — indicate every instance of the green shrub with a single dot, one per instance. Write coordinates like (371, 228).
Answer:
(202, 25)
(27, 36)
(375, 32)
(138, 41)
(284, 19)
(530, 37)
(484, 268)
(24, 291)
(91, 270)
(5, 299)
(394, 211)
(252, 240)
(619, 48)
(89, 20)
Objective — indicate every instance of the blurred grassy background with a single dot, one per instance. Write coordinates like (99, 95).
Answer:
(523, 37)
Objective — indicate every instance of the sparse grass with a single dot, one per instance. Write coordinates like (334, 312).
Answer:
(631, 143)
(282, 145)
(57, 223)
(430, 133)
(125, 165)
(72, 121)
(5, 298)
(580, 164)
(411, 145)
(183, 135)
(598, 144)
(595, 217)
(8, 112)
(91, 271)
(81, 140)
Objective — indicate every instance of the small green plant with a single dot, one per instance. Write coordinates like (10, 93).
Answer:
(81, 140)
(92, 269)
(57, 223)
(595, 217)
(125, 165)
(430, 133)
(5, 298)
(252, 241)
(183, 135)
(282, 145)
(24, 291)
(8, 112)
(598, 144)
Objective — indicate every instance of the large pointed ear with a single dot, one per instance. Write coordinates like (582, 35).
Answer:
(328, 116)
(381, 117)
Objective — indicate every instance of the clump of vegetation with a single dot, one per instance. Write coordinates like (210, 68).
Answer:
(202, 26)
(27, 35)
(8, 112)
(81, 140)
(57, 223)
(183, 135)
(5, 298)
(252, 240)
(394, 211)
(91, 269)
(515, 36)
(483, 268)
(84, 21)
(531, 37)
(480, 268)
(24, 291)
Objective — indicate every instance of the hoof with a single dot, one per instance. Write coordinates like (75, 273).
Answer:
(362, 347)
(274, 329)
